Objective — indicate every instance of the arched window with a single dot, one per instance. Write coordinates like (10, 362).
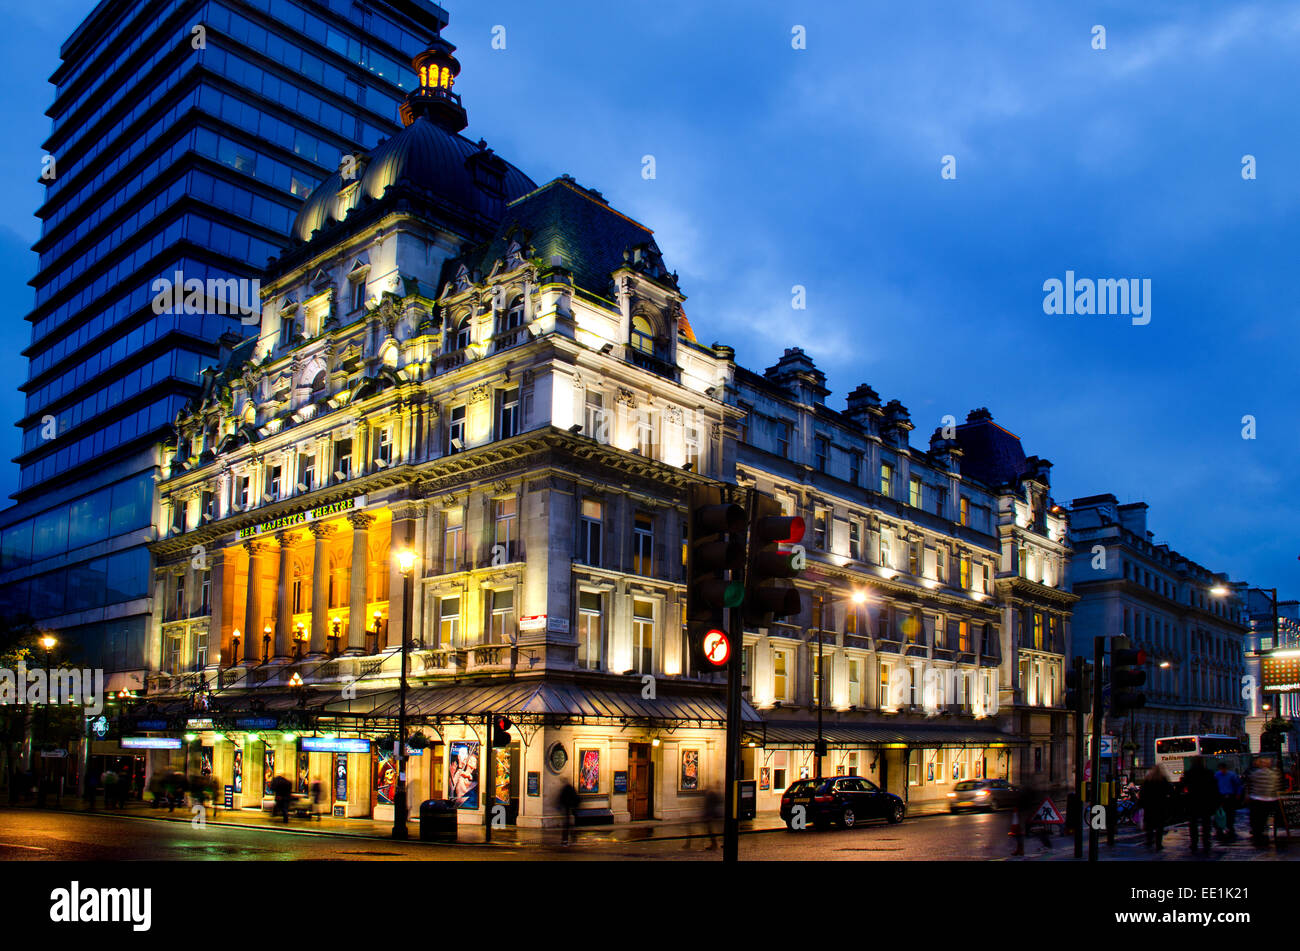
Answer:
(643, 337)
(514, 313)
(318, 383)
(461, 337)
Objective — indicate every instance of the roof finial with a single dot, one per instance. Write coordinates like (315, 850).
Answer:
(433, 98)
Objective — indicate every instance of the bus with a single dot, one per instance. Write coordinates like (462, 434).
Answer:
(1172, 752)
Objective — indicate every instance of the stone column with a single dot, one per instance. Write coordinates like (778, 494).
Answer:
(401, 538)
(320, 595)
(253, 604)
(357, 593)
(284, 601)
(217, 619)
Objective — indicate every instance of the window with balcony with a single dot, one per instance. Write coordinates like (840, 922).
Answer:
(964, 572)
(643, 631)
(449, 622)
(172, 655)
(590, 532)
(940, 631)
(201, 650)
(514, 315)
(501, 619)
(462, 335)
(590, 630)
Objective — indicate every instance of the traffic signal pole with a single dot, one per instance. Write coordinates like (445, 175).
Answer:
(487, 794)
(736, 627)
(1078, 759)
(1098, 659)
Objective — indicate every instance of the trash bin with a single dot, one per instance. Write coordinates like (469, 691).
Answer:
(438, 820)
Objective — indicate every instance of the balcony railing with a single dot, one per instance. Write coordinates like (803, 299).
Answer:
(653, 363)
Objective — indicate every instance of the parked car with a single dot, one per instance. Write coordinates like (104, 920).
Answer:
(847, 800)
(986, 794)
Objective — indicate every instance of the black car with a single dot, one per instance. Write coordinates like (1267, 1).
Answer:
(847, 800)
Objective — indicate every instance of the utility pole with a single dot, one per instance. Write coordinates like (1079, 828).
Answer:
(736, 627)
(1099, 659)
(1079, 663)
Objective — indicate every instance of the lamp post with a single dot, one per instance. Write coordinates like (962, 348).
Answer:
(334, 637)
(49, 642)
(858, 597)
(266, 643)
(406, 565)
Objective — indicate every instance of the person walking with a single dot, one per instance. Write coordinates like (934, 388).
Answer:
(282, 790)
(1154, 794)
(1230, 788)
(1262, 784)
(569, 804)
(1200, 797)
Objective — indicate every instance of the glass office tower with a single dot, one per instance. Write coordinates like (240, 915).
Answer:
(185, 135)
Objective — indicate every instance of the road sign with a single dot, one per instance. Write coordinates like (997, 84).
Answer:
(1108, 746)
(717, 648)
(1047, 814)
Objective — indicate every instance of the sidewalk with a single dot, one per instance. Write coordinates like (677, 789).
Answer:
(466, 833)
(1130, 846)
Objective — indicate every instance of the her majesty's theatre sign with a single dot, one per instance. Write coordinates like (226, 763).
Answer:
(301, 518)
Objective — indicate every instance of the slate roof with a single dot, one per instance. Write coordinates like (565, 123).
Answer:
(566, 219)
(990, 453)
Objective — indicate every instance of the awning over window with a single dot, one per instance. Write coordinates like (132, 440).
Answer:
(876, 734)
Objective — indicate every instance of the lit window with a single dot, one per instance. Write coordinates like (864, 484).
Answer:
(855, 541)
(780, 675)
(963, 636)
(508, 413)
(964, 572)
(453, 540)
(456, 430)
(886, 479)
(449, 623)
(855, 683)
(886, 702)
(501, 625)
(643, 337)
(914, 492)
(940, 631)
(643, 628)
(643, 540)
(965, 510)
(589, 630)
(589, 532)
(1038, 631)
(819, 529)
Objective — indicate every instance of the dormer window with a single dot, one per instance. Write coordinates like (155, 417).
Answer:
(514, 315)
(460, 338)
(358, 295)
(643, 337)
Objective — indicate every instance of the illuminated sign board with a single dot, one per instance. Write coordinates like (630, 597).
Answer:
(332, 744)
(150, 743)
(1281, 672)
(301, 518)
(199, 723)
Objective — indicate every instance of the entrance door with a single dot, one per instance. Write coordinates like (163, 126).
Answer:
(640, 799)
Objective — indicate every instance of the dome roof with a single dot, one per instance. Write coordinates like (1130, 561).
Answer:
(426, 157)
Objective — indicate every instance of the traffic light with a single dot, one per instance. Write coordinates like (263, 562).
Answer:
(501, 731)
(767, 596)
(1078, 689)
(1123, 676)
(715, 556)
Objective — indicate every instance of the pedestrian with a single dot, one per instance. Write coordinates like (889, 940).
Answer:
(109, 779)
(282, 790)
(317, 795)
(1155, 794)
(712, 811)
(1200, 798)
(1230, 788)
(569, 804)
(1262, 784)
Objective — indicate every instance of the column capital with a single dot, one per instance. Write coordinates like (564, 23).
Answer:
(361, 520)
(256, 546)
(286, 538)
(321, 529)
(406, 509)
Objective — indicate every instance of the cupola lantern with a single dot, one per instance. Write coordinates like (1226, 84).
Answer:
(437, 69)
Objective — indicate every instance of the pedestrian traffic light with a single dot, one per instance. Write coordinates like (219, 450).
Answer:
(1078, 688)
(1123, 676)
(501, 731)
(715, 559)
(774, 555)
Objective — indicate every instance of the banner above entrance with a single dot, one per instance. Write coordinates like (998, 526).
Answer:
(301, 518)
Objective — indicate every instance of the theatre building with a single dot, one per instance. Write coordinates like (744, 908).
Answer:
(495, 385)
(498, 378)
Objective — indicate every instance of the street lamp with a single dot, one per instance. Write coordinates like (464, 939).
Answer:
(48, 641)
(334, 637)
(406, 565)
(234, 647)
(266, 643)
(858, 597)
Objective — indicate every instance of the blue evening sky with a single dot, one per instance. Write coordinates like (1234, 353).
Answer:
(821, 167)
